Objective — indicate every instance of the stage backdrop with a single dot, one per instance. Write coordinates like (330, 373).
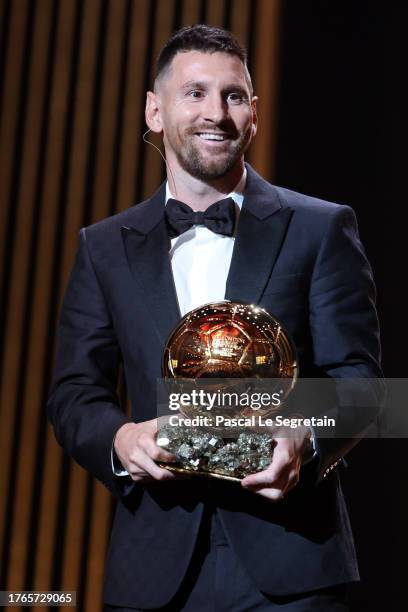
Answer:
(73, 80)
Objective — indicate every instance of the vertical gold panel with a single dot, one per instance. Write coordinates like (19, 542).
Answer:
(163, 29)
(97, 548)
(191, 11)
(3, 7)
(133, 125)
(266, 79)
(73, 551)
(48, 514)
(108, 108)
(9, 120)
(84, 86)
(215, 12)
(240, 20)
(12, 78)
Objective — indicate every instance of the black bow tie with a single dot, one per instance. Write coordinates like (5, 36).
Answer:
(219, 217)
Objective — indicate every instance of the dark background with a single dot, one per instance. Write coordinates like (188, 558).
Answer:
(341, 137)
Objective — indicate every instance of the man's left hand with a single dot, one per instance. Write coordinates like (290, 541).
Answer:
(283, 473)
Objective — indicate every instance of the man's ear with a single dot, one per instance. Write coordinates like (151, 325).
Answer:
(152, 112)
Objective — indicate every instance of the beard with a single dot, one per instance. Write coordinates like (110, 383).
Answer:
(204, 167)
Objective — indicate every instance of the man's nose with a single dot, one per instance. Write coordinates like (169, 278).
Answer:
(215, 108)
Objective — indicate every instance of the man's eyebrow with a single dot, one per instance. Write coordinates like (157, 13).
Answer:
(202, 85)
(237, 88)
(194, 85)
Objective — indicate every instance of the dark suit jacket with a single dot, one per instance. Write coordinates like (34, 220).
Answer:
(298, 257)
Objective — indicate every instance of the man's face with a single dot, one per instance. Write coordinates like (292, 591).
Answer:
(206, 112)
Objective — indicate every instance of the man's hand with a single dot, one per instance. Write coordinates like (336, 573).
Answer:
(136, 448)
(283, 473)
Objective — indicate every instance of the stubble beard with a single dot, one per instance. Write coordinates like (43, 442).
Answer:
(206, 168)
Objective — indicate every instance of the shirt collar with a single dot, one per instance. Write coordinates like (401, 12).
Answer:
(237, 194)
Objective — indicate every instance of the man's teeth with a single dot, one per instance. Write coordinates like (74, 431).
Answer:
(212, 136)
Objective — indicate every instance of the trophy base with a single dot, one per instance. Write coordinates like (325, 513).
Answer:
(204, 452)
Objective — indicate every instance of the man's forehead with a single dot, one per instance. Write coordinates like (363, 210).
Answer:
(192, 66)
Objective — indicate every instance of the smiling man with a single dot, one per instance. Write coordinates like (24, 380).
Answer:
(205, 108)
(214, 230)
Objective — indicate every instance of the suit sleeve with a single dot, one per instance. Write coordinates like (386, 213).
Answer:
(83, 405)
(345, 332)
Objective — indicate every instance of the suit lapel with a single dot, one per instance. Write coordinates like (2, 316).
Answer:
(261, 230)
(147, 250)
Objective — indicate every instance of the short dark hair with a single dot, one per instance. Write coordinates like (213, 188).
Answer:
(199, 37)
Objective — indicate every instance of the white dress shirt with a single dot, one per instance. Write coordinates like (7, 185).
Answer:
(201, 259)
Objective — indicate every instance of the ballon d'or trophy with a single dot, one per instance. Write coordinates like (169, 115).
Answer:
(226, 342)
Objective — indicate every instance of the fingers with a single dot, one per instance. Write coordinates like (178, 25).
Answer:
(278, 479)
(138, 452)
(269, 493)
(148, 444)
(288, 477)
(273, 493)
(273, 490)
(271, 475)
(146, 469)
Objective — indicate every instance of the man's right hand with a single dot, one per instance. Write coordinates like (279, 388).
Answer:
(136, 448)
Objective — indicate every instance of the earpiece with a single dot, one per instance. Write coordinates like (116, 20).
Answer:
(144, 136)
(161, 155)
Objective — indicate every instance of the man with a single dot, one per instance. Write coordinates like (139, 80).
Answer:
(282, 539)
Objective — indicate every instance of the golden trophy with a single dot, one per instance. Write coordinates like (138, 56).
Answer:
(228, 348)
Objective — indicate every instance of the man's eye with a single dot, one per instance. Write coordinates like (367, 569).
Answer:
(235, 98)
(195, 93)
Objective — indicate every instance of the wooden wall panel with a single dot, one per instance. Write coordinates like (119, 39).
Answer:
(12, 82)
(73, 76)
(191, 12)
(24, 340)
(150, 168)
(265, 62)
(81, 138)
(130, 123)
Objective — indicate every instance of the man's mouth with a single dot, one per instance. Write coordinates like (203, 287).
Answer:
(212, 136)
